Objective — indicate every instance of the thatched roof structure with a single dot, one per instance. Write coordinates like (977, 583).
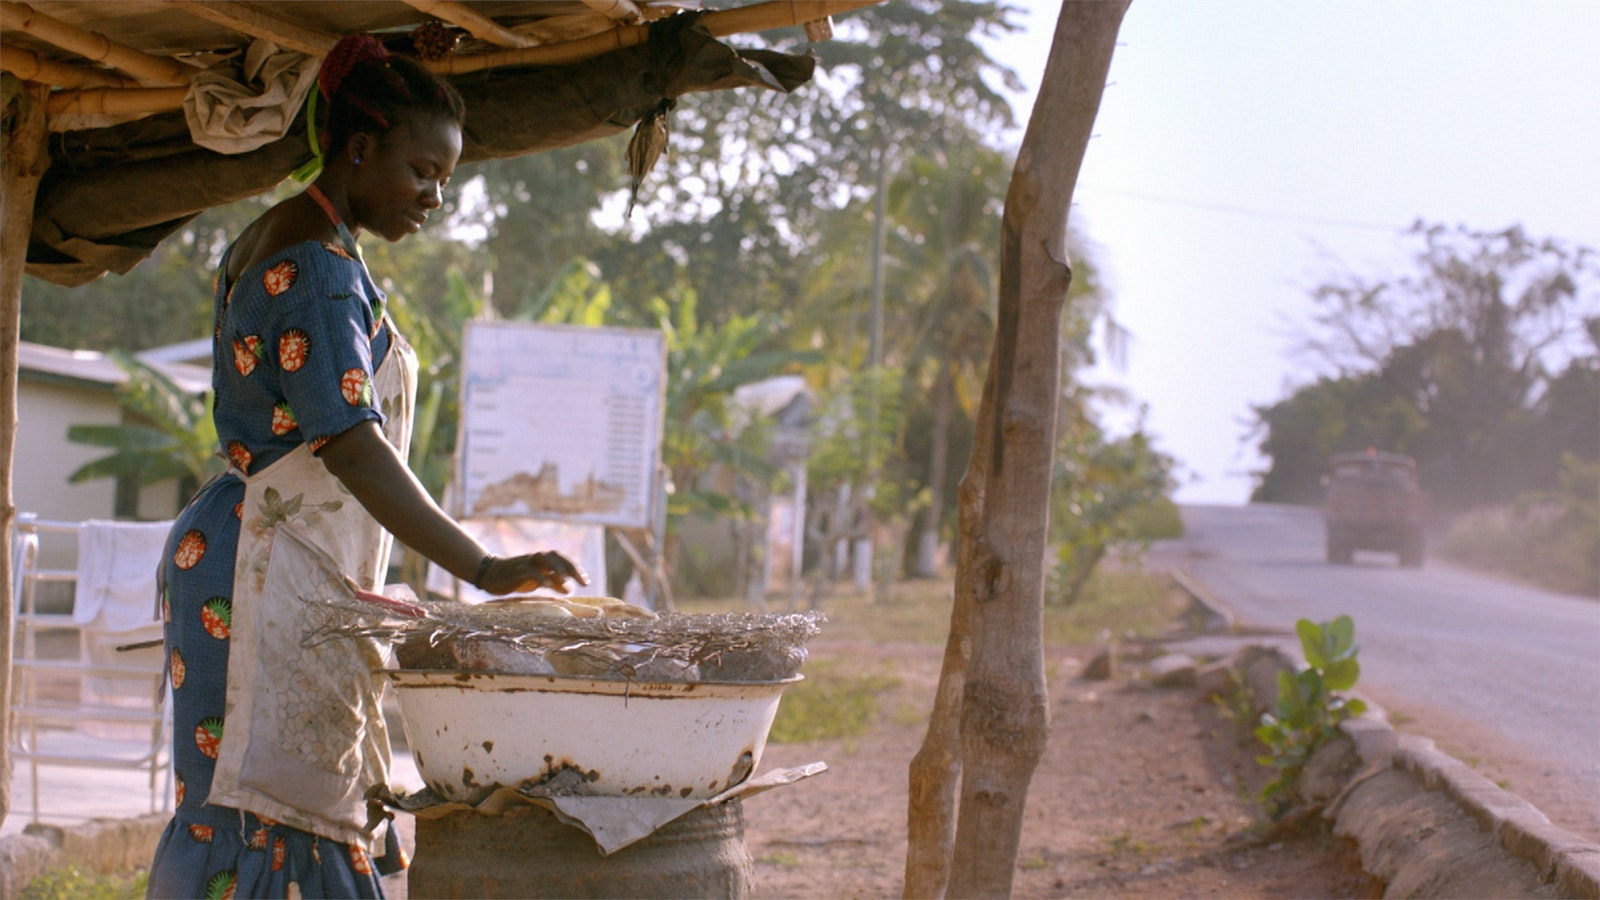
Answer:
(124, 172)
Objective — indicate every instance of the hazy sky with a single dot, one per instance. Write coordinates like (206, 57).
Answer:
(1245, 148)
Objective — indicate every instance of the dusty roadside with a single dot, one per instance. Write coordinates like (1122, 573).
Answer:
(1142, 792)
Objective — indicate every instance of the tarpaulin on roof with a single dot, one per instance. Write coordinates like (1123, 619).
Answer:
(112, 194)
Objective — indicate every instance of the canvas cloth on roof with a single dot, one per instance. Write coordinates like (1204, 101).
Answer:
(239, 105)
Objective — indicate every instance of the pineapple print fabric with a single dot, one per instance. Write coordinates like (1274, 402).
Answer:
(289, 333)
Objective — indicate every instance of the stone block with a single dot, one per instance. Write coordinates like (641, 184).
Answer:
(1216, 679)
(1578, 873)
(1173, 670)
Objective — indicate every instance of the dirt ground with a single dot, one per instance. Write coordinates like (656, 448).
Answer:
(1142, 792)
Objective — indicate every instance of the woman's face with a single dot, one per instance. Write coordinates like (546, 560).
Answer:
(402, 174)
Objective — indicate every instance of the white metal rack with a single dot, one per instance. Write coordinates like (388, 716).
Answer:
(69, 708)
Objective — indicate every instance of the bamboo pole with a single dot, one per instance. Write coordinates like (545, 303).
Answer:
(126, 102)
(147, 68)
(738, 20)
(254, 23)
(135, 103)
(26, 155)
(777, 14)
(478, 24)
(30, 66)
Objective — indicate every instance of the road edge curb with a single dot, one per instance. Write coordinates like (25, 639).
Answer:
(1395, 824)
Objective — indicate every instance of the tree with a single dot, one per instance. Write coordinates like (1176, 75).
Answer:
(1331, 415)
(945, 206)
(538, 214)
(990, 718)
(706, 362)
(849, 440)
(741, 198)
(1103, 493)
(1480, 363)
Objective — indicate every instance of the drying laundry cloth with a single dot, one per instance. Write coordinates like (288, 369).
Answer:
(232, 116)
(117, 564)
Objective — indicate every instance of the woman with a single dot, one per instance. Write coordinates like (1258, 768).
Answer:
(313, 395)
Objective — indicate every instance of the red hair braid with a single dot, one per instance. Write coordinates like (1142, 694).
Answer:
(351, 49)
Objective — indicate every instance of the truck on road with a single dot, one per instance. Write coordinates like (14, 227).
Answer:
(1374, 503)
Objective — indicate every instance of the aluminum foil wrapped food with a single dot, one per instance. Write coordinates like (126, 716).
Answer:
(597, 637)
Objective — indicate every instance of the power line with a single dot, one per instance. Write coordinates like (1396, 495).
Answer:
(1249, 212)
(1387, 228)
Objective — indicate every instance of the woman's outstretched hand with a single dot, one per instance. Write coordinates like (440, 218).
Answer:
(521, 574)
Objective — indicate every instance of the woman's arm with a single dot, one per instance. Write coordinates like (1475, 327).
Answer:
(372, 469)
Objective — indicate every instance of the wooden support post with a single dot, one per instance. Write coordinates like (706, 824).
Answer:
(648, 564)
(25, 148)
(993, 680)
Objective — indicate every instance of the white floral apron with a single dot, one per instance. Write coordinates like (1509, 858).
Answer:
(304, 737)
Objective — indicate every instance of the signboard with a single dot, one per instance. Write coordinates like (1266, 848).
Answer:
(561, 422)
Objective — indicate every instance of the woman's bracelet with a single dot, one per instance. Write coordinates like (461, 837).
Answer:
(483, 569)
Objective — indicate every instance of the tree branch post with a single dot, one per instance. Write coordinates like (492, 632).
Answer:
(992, 691)
(25, 158)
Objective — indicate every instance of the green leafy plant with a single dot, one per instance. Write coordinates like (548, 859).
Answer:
(1309, 706)
(168, 432)
(829, 704)
(72, 884)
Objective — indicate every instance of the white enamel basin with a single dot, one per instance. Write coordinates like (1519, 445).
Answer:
(468, 730)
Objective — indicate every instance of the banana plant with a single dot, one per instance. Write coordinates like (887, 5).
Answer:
(168, 432)
(705, 363)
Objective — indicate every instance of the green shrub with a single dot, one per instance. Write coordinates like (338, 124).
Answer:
(1309, 707)
(71, 884)
(828, 704)
(1547, 538)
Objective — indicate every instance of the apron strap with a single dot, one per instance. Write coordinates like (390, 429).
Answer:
(345, 237)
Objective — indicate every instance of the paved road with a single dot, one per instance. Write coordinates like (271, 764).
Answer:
(1504, 677)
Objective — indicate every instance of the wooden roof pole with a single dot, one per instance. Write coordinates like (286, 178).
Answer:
(30, 66)
(777, 14)
(721, 23)
(147, 68)
(24, 156)
(249, 21)
(132, 103)
(479, 25)
(138, 102)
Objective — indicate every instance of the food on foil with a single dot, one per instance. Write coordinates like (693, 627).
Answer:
(592, 637)
(562, 607)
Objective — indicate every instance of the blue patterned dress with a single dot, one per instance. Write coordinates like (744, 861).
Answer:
(292, 337)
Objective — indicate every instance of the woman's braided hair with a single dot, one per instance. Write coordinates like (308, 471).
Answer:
(369, 89)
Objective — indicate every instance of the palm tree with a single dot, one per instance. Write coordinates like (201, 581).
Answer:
(946, 209)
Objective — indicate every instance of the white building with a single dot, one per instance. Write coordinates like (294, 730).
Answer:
(57, 389)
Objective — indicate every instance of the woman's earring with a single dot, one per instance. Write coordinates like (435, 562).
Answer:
(358, 159)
